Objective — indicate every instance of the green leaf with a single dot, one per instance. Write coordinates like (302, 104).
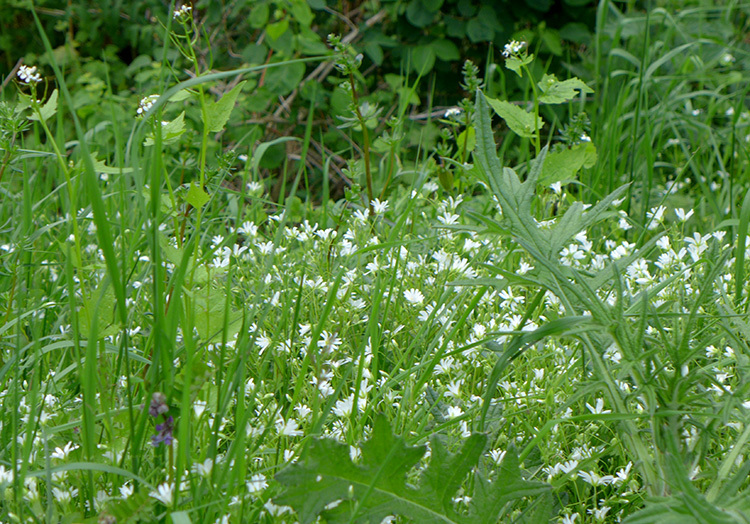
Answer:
(211, 311)
(432, 5)
(197, 196)
(100, 305)
(417, 15)
(467, 140)
(551, 39)
(171, 131)
(377, 487)
(516, 64)
(302, 12)
(488, 498)
(276, 29)
(422, 59)
(101, 167)
(555, 92)
(563, 165)
(180, 517)
(48, 109)
(282, 80)
(519, 121)
(258, 16)
(479, 32)
(445, 50)
(218, 112)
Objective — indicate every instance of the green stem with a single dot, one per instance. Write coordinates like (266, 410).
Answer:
(365, 142)
(537, 131)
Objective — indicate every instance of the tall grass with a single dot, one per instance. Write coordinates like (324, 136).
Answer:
(170, 342)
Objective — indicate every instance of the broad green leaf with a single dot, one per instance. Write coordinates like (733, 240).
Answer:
(554, 91)
(417, 15)
(102, 306)
(488, 499)
(218, 112)
(467, 140)
(376, 486)
(48, 109)
(519, 121)
(197, 196)
(276, 29)
(479, 32)
(563, 165)
(445, 50)
(211, 312)
(422, 59)
(171, 131)
(302, 12)
(259, 15)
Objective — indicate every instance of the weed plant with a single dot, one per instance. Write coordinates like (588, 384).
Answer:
(454, 341)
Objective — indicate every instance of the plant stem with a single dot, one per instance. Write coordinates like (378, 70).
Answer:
(365, 142)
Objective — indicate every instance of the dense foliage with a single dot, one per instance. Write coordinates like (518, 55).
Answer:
(413, 261)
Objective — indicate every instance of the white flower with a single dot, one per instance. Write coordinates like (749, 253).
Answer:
(622, 474)
(454, 411)
(288, 428)
(599, 409)
(600, 513)
(126, 490)
(6, 475)
(145, 104)
(570, 519)
(497, 455)
(682, 216)
(727, 58)
(257, 483)
(62, 453)
(513, 47)
(199, 407)
(595, 480)
(183, 12)
(329, 342)
(163, 493)
(379, 207)
(453, 112)
(414, 296)
(204, 470)
(28, 75)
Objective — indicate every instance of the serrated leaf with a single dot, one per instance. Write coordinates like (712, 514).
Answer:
(376, 487)
(48, 109)
(519, 121)
(488, 498)
(554, 91)
(563, 165)
(197, 196)
(217, 113)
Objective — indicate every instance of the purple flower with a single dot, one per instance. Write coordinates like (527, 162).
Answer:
(158, 405)
(164, 433)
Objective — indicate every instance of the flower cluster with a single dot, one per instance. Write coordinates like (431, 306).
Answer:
(513, 48)
(159, 407)
(28, 75)
(183, 13)
(145, 105)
